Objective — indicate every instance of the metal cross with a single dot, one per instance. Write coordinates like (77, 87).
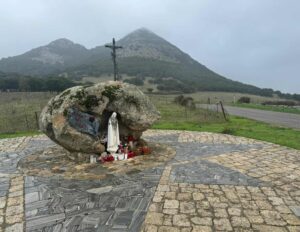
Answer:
(113, 47)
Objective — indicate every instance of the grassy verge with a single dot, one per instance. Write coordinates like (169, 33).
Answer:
(241, 127)
(283, 109)
(19, 134)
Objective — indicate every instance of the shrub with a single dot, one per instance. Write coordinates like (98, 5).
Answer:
(244, 100)
(179, 99)
(135, 81)
(185, 101)
(150, 90)
(228, 131)
(279, 103)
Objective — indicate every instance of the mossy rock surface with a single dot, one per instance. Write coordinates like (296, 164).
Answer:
(92, 106)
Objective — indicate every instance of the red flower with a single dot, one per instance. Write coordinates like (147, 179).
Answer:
(145, 150)
(130, 154)
(130, 138)
(108, 158)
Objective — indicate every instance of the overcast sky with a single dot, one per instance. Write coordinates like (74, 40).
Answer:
(253, 41)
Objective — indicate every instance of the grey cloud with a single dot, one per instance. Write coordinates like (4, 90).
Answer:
(256, 42)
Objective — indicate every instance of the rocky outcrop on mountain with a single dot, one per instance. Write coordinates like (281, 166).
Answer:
(77, 118)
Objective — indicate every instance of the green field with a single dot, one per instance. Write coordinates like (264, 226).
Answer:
(17, 118)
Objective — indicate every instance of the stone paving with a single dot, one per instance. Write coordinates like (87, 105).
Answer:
(214, 183)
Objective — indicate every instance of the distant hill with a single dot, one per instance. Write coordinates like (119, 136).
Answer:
(145, 54)
(52, 58)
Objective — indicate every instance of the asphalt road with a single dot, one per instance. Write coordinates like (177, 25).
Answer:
(277, 118)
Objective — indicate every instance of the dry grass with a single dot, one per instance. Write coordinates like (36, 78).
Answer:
(200, 97)
(226, 97)
(173, 113)
(18, 110)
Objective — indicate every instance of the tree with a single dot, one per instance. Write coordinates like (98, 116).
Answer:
(244, 100)
(150, 90)
(135, 81)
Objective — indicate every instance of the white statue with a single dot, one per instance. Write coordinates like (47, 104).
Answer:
(113, 137)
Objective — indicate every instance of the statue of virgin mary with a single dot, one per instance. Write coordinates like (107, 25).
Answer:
(113, 137)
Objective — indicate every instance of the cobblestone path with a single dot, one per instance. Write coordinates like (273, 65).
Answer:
(215, 183)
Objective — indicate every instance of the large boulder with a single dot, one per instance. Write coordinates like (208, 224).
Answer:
(77, 118)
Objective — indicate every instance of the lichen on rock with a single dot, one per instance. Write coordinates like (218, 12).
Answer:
(77, 118)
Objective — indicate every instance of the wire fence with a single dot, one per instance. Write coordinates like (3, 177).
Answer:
(19, 122)
(22, 114)
(172, 112)
(19, 111)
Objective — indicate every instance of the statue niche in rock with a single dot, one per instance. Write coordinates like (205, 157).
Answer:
(77, 119)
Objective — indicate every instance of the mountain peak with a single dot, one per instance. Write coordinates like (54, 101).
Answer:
(145, 43)
(141, 34)
(142, 30)
(62, 42)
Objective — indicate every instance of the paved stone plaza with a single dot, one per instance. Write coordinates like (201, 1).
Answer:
(214, 182)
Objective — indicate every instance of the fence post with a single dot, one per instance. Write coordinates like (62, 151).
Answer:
(36, 120)
(26, 120)
(223, 111)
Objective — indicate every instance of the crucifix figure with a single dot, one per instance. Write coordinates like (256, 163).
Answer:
(113, 47)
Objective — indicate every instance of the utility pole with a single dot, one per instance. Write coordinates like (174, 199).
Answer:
(113, 47)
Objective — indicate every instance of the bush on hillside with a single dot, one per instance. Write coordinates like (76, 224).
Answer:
(35, 84)
(150, 90)
(279, 103)
(185, 101)
(135, 81)
(244, 100)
